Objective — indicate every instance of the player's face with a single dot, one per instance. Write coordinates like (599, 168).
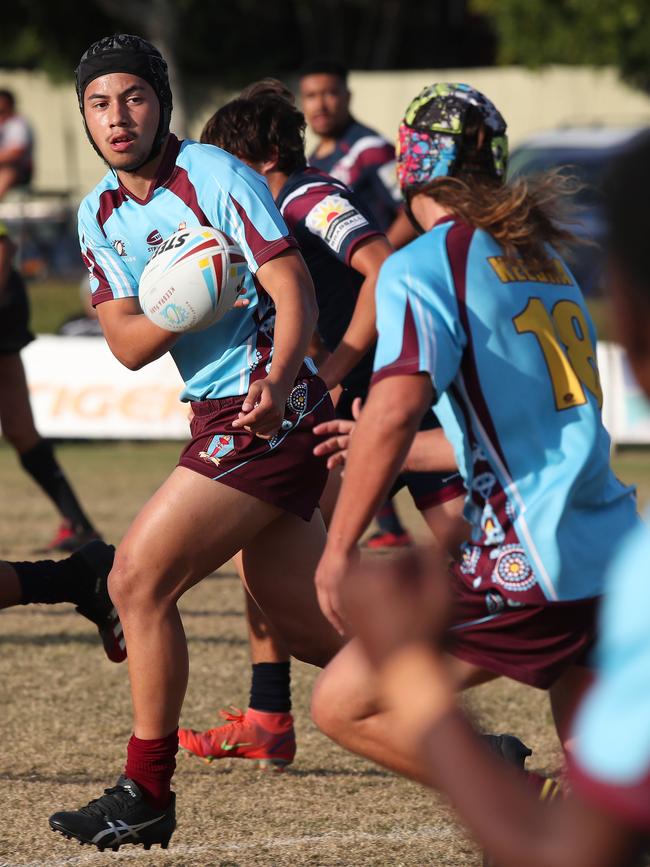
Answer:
(325, 103)
(122, 113)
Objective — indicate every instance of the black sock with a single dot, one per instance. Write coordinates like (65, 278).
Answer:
(271, 687)
(50, 581)
(43, 467)
(388, 519)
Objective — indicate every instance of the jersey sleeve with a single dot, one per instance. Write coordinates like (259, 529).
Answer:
(238, 201)
(333, 218)
(610, 764)
(109, 276)
(417, 320)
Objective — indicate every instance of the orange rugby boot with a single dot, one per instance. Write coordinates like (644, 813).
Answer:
(265, 737)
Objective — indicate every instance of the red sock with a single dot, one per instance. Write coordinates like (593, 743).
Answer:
(151, 765)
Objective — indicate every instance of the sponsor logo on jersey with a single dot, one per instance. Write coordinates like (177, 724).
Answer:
(154, 238)
(518, 272)
(334, 219)
(120, 247)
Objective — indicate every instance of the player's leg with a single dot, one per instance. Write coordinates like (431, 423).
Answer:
(346, 707)
(264, 732)
(190, 527)
(36, 454)
(80, 579)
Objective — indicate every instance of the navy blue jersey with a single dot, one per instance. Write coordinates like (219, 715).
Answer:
(365, 162)
(328, 220)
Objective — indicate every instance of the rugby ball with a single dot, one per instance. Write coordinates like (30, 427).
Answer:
(192, 279)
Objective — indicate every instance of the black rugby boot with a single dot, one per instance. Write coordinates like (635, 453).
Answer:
(120, 816)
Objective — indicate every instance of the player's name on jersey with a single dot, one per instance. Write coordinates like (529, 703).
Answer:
(517, 272)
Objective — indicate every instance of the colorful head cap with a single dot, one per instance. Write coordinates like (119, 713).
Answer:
(431, 135)
(126, 53)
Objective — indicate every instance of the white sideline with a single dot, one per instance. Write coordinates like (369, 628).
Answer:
(427, 832)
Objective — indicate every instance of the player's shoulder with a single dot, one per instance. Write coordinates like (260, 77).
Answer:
(89, 205)
(202, 161)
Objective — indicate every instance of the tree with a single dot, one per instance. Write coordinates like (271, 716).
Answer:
(592, 32)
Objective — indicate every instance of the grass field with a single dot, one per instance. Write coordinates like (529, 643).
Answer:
(66, 717)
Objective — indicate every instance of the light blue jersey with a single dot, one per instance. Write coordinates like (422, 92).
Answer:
(512, 359)
(196, 185)
(611, 756)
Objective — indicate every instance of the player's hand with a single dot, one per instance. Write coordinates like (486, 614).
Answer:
(262, 411)
(338, 431)
(390, 604)
(330, 573)
(240, 301)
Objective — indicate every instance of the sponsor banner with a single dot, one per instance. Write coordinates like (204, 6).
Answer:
(79, 390)
(628, 409)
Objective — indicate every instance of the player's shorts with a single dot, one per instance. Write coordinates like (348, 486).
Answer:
(14, 316)
(284, 470)
(426, 489)
(533, 644)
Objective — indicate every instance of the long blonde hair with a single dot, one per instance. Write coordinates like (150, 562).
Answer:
(521, 215)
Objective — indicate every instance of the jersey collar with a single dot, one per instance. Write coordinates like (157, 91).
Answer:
(164, 174)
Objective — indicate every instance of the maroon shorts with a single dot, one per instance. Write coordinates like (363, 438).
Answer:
(533, 644)
(283, 471)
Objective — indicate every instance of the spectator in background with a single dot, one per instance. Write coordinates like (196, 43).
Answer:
(365, 162)
(16, 145)
(16, 420)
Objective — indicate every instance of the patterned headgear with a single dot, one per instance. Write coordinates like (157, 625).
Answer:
(126, 53)
(432, 134)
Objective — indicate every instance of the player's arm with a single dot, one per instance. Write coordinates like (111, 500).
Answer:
(400, 231)
(132, 338)
(289, 283)
(384, 432)
(430, 450)
(398, 610)
(367, 258)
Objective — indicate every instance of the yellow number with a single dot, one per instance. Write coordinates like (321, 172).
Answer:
(563, 337)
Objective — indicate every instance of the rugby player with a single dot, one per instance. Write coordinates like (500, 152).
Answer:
(343, 249)
(80, 579)
(364, 161)
(604, 820)
(483, 316)
(35, 454)
(247, 480)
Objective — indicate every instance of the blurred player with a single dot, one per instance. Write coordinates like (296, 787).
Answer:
(80, 579)
(246, 380)
(605, 820)
(483, 316)
(343, 249)
(364, 161)
(16, 419)
(16, 145)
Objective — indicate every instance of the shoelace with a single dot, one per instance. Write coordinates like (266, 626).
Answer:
(112, 801)
(235, 715)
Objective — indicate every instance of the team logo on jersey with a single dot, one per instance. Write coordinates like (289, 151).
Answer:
(218, 447)
(484, 483)
(512, 571)
(333, 219)
(494, 602)
(297, 400)
(119, 247)
(154, 240)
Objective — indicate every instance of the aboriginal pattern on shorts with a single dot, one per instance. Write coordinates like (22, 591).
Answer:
(283, 470)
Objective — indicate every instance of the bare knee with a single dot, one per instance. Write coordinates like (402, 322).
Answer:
(329, 711)
(135, 585)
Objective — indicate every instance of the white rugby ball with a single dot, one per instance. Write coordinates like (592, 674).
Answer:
(192, 279)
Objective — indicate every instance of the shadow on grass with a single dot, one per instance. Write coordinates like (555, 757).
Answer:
(337, 772)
